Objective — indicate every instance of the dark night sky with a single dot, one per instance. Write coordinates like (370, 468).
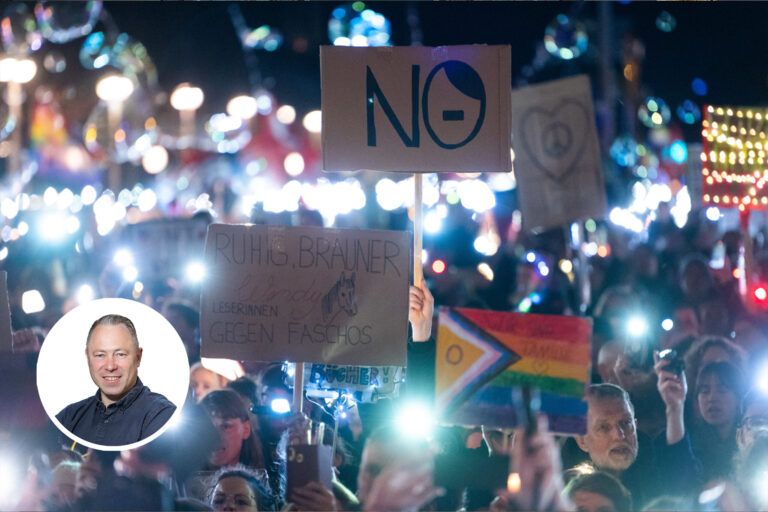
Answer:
(722, 42)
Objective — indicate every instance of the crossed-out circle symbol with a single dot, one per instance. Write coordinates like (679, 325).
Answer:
(457, 356)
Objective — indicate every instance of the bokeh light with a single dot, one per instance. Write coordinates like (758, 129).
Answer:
(286, 114)
(666, 22)
(312, 122)
(355, 25)
(678, 152)
(187, 97)
(263, 38)
(229, 134)
(624, 151)
(699, 87)
(653, 112)
(20, 33)
(32, 302)
(195, 271)
(565, 37)
(54, 62)
(294, 164)
(61, 22)
(485, 270)
(155, 159)
(134, 135)
(244, 107)
(84, 294)
(689, 112)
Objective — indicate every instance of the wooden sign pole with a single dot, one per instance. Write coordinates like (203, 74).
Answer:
(298, 388)
(417, 230)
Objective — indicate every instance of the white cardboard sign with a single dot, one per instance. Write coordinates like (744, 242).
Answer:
(416, 109)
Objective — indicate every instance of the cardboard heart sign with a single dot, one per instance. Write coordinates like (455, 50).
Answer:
(555, 139)
(557, 156)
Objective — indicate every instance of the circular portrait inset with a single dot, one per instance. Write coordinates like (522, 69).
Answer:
(112, 374)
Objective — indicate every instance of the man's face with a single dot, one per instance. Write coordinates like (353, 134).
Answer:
(611, 438)
(755, 418)
(113, 361)
(233, 431)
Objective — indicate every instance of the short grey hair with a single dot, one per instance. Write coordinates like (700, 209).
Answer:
(115, 320)
(606, 391)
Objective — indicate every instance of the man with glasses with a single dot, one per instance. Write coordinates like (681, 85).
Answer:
(754, 417)
(612, 444)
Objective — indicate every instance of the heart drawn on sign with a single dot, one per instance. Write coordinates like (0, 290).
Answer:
(556, 139)
(540, 367)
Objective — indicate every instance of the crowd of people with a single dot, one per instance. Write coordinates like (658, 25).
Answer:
(677, 418)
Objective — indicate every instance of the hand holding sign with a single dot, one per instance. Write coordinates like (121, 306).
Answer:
(421, 308)
(313, 496)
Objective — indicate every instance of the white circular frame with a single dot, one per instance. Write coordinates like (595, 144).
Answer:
(62, 368)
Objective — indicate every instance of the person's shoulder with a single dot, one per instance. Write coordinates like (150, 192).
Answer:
(156, 401)
(73, 410)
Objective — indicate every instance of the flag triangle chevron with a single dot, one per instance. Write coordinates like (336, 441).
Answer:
(468, 357)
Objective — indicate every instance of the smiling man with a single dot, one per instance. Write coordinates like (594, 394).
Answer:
(123, 410)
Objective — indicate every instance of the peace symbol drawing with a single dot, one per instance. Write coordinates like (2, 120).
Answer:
(556, 139)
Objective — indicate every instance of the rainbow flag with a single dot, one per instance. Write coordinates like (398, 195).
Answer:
(483, 356)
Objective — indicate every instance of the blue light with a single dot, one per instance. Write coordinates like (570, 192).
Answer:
(530, 257)
(280, 406)
(699, 86)
(678, 152)
(536, 298)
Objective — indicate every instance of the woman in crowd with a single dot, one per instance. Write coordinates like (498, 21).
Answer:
(598, 492)
(202, 381)
(719, 388)
(239, 443)
(239, 489)
(709, 349)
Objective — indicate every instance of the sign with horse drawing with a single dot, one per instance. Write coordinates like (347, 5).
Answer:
(306, 294)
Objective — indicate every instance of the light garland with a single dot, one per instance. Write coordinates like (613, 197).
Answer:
(734, 163)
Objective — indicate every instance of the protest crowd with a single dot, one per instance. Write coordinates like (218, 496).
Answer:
(573, 318)
(690, 438)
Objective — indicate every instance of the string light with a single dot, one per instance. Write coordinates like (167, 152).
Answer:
(734, 166)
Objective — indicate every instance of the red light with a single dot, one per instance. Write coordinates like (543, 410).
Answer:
(760, 293)
(438, 266)
(737, 273)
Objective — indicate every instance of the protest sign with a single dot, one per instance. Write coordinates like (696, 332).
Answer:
(306, 294)
(557, 156)
(353, 378)
(482, 355)
(6, 341)
(416, 109)
(172, 243)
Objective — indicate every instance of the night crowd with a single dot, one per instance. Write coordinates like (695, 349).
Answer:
(681, 430)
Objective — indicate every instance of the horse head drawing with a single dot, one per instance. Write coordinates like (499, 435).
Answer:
(341, 297)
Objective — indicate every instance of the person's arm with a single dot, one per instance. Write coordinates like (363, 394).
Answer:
(535, 459)
(421, 348)
(672, 389)
(420, 311)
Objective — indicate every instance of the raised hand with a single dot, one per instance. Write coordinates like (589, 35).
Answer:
(421, 308)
